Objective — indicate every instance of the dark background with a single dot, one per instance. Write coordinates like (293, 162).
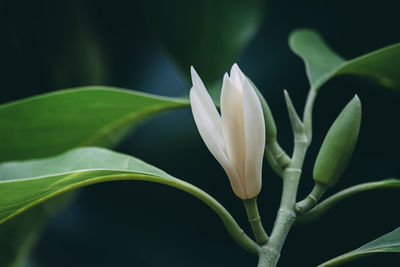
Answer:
(149, 46)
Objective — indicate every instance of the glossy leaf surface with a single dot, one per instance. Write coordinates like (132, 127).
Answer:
(386, 243)
(49, 124)
(322, 63)
(27, 183)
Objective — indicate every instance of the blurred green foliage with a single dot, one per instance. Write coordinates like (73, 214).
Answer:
(206, 34)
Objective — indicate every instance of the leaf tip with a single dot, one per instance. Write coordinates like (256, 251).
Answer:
(300, 33)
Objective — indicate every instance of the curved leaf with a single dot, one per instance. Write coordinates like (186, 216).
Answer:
(322, 63)
(49, 124)
(386, 243)
(28, 183)
(328, 203)
(18, 235)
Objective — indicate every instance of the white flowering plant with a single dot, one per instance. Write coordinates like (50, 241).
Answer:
(52, 144)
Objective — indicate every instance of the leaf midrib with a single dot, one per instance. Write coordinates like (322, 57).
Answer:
(336, 71)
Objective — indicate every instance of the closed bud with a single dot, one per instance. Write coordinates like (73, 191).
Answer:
(338, 145)
(236, 138)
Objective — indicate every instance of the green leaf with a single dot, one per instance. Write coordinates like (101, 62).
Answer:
(25, 184)
(19, 234)
(386, 243)
(322, 63)
(331, 201)
(206, 34)
(49, 124)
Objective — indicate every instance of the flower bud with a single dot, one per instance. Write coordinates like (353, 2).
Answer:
(338, 145)
(237, 137)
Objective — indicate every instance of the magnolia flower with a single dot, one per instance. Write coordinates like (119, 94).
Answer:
(236, 138)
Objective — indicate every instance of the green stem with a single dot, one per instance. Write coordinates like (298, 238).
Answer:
(278, 153)
(328, 203)
(286, 214)
(271, 159)
(312, 199)
(229, 222)
(255, 220)
(269, 254)
(307, 115)
(266, 257)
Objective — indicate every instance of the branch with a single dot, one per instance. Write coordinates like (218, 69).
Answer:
(328, 203)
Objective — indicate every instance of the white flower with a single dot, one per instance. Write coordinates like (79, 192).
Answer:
(237, 137)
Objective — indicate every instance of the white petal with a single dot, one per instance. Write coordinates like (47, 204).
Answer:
(206, 126)
(237, 76)
(206, 100)
(232, 125)
(214, 140)
(255, 139)
(235, 181)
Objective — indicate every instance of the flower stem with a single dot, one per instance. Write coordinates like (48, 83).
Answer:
(328, 203)
(278, 153)
(267, 257)
(307, 115)
(269, 254)
(311, 199)
(286, 215)
(255, 220)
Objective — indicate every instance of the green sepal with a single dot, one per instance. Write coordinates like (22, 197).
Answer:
(272, 147)
(270, 127)
(338, 146)
(276, 167)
